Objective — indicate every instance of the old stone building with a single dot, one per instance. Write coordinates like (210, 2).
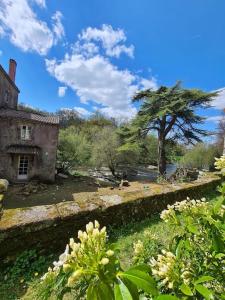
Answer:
(28, 141)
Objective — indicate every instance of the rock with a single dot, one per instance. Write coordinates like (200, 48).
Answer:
(111, 199)
(150, 167)
(62, 175)
(124, 183)
(26, 193)
(3, 185)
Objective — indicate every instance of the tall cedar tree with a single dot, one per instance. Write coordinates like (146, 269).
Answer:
(171, 112)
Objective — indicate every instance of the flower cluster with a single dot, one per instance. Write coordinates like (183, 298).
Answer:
(138, 247)
(186, 274)
(85, 258)
(190, 205)
(220, 163)
(163, 268)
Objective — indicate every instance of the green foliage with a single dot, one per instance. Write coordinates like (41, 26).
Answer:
(28, 265)
(171, 113)
(73, 149)
(104, 149)
(201, 156)
(192, 266)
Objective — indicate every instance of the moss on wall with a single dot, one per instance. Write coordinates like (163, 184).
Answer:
(51, 226)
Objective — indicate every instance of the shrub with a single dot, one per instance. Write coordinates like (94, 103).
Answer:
(201, 157)
(193, 266)
(73, 149)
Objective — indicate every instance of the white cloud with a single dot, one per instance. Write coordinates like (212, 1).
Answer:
(86, 49)
(25, 30)
(219, 101)
(2, 33)
(111, 40)
(148, 83)
(41, 3)
(1, 52)
(57, 26)
(215, 119)
(62, 91)
(95, 79)
(82, 111)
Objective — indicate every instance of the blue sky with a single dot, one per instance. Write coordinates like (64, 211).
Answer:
(94, 54)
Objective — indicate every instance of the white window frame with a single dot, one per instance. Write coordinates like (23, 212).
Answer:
(25, 132)
(23, 167)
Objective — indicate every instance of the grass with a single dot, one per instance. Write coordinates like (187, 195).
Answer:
(148, 229)
(152, 228)
(14, 280)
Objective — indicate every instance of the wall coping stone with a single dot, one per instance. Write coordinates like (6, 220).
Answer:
(43, 224)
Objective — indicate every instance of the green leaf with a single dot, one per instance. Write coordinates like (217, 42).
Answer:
(92, 292)
(218, 244)
(121, 292)
(132, 288)
(206, 293)
(142, 280)
(218, 205)
(166, 297)
(185, 289)
(143, 267)
(187, 245)
(179, 248)
(99, 291)
(204, 279)
(192, 229)
(219, 255)
(105, 291)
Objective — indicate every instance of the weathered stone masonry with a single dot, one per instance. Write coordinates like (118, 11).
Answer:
(28, 141)
(52, 225)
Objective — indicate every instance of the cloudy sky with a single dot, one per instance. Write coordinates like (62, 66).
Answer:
(94, 54)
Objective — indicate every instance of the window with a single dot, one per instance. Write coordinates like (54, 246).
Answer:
(7, 96)
(25, 132)
(23, 167)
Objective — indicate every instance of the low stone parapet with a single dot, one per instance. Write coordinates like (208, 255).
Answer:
(3, 188)
(52, 225)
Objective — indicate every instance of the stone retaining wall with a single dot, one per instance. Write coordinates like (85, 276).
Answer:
(50, 226)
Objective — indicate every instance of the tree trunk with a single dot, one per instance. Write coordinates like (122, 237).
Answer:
(112, 169)
(161, 156)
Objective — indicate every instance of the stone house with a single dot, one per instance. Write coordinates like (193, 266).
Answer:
(28, 141)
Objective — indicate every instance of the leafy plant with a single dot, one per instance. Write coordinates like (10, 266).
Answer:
(193, 266)
(91, 265)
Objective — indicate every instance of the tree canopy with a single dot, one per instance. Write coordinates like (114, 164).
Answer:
(171, 113)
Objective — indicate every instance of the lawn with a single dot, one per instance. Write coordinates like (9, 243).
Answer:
(32, 264)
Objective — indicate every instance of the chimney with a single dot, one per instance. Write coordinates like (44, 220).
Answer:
(12, 69)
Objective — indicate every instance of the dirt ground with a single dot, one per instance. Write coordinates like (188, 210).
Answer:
(70, 189)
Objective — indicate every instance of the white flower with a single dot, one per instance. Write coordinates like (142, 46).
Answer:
(71, 242)
(105, 261)
(110, 253)
(89, 227)
(97, 225)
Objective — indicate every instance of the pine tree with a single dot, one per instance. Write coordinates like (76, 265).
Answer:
(171, 113)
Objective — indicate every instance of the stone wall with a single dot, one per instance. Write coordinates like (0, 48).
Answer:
(8, 91)
(51, 226)
(43, 135)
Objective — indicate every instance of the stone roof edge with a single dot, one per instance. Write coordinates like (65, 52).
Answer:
(27, 117)
(9, 79)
